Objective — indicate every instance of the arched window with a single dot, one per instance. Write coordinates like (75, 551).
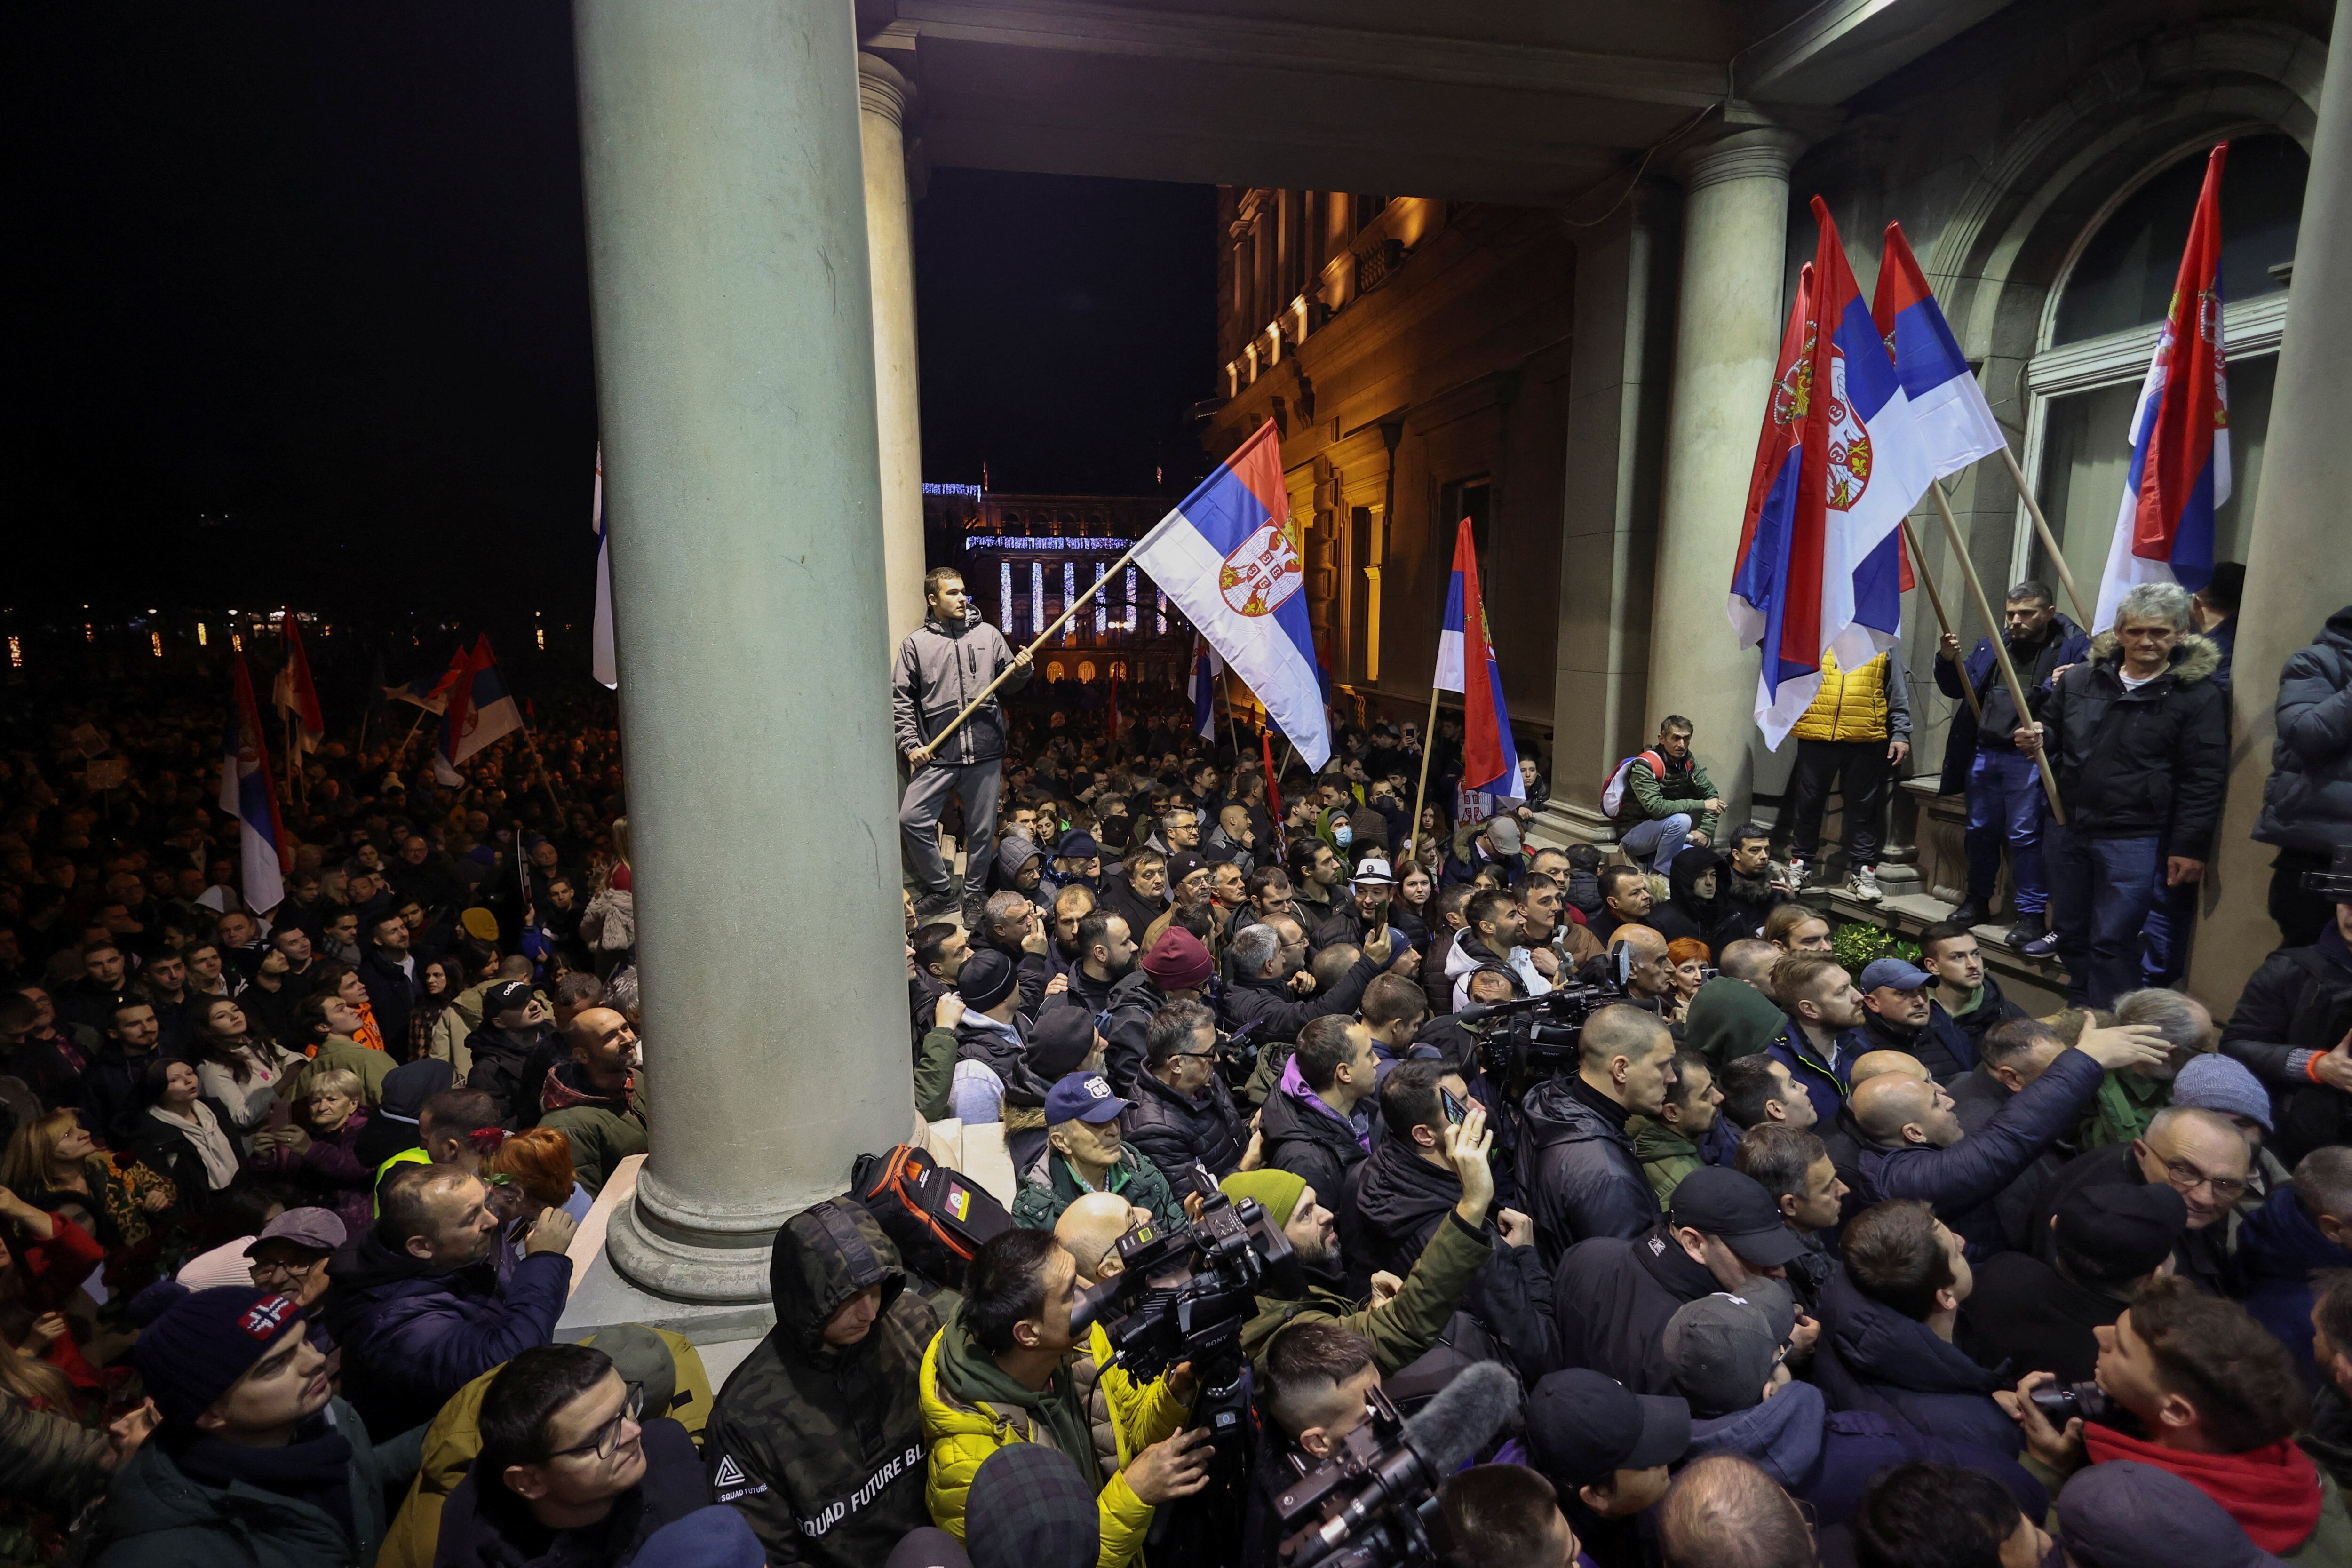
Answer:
(2101, 327)
(1086, 671)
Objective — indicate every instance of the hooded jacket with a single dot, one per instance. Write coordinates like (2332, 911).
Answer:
(1871, 1357)
(940, 668)
(2307, 799)
(1729, 1019)
(511, 1065)
(1310, 1141)
(603, 1129)
(411, 1338)
(2149, 763)
(1665, 1154)
(2279, 1247)
(820, 1447)
(1578, 1173)
(1134, 998)
(1714, 921)
(1827, 1460)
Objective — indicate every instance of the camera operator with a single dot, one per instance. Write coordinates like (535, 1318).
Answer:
(1001, 1372)
(1316, 1388)
(1577, 1171)
(1409, 1182)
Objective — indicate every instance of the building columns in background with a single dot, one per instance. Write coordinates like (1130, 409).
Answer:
(1728, 327)
(735, 365)
(883, 98)
(2294, 573)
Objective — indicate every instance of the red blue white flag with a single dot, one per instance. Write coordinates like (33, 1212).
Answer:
(1466, 663)
(247, 796)
(293, 693)
(1202, 686)
(2179, 470)
(601, 663)
(480, 709)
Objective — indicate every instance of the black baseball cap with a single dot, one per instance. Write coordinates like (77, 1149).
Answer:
(1717, 1200)
(1583, 1427)
(2123, 1230)
(506, 997)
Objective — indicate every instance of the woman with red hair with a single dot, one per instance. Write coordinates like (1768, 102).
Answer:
(529, 1171)
(1690, 959)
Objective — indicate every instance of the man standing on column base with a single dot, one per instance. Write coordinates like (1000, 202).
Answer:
(942, 665)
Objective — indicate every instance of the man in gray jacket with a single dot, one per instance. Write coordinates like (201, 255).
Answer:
(942, 665)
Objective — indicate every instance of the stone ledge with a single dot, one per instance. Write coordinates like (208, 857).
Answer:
(2036, 985)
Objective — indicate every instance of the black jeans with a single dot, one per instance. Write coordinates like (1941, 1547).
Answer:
(1861, 769)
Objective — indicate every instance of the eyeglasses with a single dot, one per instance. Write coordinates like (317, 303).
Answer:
(2185, 1178)
(607, 1438)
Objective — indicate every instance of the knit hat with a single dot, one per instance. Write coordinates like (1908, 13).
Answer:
(1182, 864)
(2123, 1229)
(985, 980)
(2124, 1514)
(2223, 1084)
(1178, 961)
(1061, 1039)
(205, 1340)
(713, 1536)
(480, 924)
(1277, 1191)
(1076, 846)
(1029, 1507)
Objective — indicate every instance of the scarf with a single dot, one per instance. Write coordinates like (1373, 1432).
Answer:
(558, 1093)
(314, 1468)
(2271, 1491)
(209, 1139)
(1056, 1412)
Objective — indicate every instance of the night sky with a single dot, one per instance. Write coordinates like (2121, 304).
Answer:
(302, 313)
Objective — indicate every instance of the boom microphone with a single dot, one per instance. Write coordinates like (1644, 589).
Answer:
(1455, 1425)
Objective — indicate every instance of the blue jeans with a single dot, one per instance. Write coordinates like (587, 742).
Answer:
(1661, 840)
(2005, 802)
(2101, 891)
(2169, 920)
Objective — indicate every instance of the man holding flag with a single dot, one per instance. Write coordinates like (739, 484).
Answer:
(1466, 663)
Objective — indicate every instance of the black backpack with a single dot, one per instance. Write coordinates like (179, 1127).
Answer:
(936, 1217)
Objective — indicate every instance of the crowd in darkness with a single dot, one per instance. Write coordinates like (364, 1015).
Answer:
(1790, 1263)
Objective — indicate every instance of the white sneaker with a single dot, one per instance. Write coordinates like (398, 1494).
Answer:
(1863, 884)
(1795, 871)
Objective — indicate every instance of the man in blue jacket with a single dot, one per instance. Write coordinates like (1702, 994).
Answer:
(418, 1307)
(1914, 1147)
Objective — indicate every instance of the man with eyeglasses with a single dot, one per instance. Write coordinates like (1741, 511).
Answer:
(573, 1469)
(1183, 1114)
(2197, 1153)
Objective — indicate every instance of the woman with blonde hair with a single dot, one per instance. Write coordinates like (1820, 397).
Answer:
(319, 1154)
(527, 1173)
(53, 1164)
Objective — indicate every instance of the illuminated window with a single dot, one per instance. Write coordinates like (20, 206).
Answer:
(236, 642)
(1004, 596)
(1163, 611)
(16, 651)
(1036, 597)
(541, 631)
(155, 641)
(88, 632)
(201, 639)
(1130, 598)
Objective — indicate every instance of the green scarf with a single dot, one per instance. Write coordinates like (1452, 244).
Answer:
(2126, 1104)
(971, 1375)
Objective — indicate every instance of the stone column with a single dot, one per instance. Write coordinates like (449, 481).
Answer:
(883, 96)
(1728, 331)
(735, 393)
(2295, 576)
(1621, 363)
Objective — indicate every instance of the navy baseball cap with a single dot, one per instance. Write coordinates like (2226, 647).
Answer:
(1082, 1097)
(1892, 972)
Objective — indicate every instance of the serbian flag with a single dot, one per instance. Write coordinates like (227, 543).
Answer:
(480, 710)
(1466, 663)
(1955, 422)
(601, 663)
(246, 796)
(433, 696)
(1202, 686)
(1228, 557)
(2180, 431)
(294, 694)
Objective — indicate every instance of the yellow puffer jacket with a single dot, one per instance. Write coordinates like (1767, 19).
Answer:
(963, 1436)
(1851, 704)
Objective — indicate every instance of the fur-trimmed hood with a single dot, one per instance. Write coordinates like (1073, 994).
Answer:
(2195, 659)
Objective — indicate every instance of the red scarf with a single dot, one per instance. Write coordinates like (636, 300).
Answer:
(2273, 1493)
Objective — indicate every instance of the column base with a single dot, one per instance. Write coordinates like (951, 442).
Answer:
(698, 1265)
(1562, 823)
(605, 1298)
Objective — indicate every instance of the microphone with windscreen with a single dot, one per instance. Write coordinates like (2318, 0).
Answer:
(1362, 1505)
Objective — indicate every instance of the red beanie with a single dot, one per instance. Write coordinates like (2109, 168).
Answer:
(1178, 961)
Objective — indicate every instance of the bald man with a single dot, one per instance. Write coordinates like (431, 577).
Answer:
(594, 1099)
(1875, 1064)
(2183, 1143)
(1090, 1228)
(1913, 1145)
(1652, 975)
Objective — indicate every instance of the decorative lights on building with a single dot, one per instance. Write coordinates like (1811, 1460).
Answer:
(1069, 597)
(1036, 597)
(541, 633)
(203, 637)
(1163, 612)
(155, 641)
(88, 631)
(236, 642)
(16, 651)
(1102, 611)
(1005, 595)
(1130, 598)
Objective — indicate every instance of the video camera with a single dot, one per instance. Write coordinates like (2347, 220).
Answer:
(1369, 1505)
(1526, 1041)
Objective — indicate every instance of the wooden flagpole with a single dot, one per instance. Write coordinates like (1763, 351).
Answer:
(2049, 540)
(1927, 580)
(2000, 649)
(1421, 790)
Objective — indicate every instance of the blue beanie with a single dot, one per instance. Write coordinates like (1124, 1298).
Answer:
(714, 1537)
(204, 1341)
(2223, 1084)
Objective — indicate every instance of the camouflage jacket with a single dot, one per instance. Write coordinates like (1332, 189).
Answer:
(822, 1448)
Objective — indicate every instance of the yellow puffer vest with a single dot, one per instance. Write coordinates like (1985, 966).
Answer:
(1851, 704)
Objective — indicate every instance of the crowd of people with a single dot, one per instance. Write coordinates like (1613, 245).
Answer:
(1789, 1264)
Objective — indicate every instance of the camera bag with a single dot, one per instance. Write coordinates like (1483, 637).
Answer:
(936, 1217)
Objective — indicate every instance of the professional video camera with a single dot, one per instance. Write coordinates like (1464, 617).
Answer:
(1369, 1505)
(1524, 1042)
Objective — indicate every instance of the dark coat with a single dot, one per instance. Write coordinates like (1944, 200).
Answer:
(2149, 763)
(1612, 1299)
(1133, 1000)
(1271, 1011)
(173, 1153)
(1871, 1357)
(1172, 1130)
(801, 1427)
(1963, 1034)
(1577, 1171)
(2307, 799)
(2279, 1247)
(1825, 1086)
(112, 1096)
(501, 1533)
(2202, 1257)
(1311, 1143)
(391, 993)
(2026, 1316)
(411, 1338)
(2299, 1000)
(1401, 1200)
(2066, 644)
(1963, 1181)
(511, 1065)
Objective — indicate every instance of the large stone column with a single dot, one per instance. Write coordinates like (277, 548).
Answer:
(1727, 334)
(735, 393)
(1620, 368)
(2296, 575)
(883, 96)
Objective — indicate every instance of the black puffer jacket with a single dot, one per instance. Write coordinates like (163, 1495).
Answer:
(1577, 1173)
(1172, 1130)
(2307, 799)
(1312, 1145)
(2144, 763)
(2299, 1000)
(1270, 1010)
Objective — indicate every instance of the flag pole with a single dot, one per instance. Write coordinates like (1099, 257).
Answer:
(1999, 650)
(2049, 540)
(1927, 580)
(546, 783)
(1421, 791)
